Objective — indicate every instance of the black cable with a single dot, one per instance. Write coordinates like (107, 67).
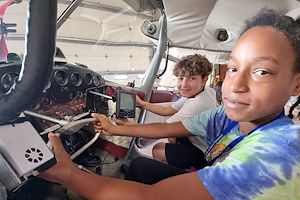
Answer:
(166, 64)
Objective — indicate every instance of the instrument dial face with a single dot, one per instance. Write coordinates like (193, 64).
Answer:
(61, 78)
(8, 80)
(96, 80)
(88, 79)
(76, 79)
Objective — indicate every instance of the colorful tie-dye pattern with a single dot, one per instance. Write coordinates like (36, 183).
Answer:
(265, 165)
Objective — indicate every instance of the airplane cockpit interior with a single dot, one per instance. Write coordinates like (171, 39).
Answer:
(61, 60)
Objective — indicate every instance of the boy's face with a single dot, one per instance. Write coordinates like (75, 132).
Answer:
(189, 86)
(260, 76)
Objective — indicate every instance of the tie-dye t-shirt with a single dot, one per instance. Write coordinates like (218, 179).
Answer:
(264, 165)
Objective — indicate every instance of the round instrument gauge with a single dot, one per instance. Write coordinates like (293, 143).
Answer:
(8, 80)
(88, 78)
(45, 101)
(76, 79)
(61, 78)
(96, 80)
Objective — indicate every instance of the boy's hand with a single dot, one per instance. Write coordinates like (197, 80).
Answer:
(102, 123)
(139, 102)
(64, 166)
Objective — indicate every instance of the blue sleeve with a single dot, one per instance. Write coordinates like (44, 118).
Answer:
(207, 124)
(262, 165)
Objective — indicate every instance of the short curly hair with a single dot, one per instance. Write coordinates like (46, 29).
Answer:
(193, 64)
(285, 24)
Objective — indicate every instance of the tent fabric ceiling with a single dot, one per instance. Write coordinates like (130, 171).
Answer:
(196, 24)
(193, 24)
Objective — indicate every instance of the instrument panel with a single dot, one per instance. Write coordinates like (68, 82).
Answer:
(63, 95)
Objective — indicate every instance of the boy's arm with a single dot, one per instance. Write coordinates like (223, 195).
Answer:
(154, 130)
(157, 109)
(91, 186)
